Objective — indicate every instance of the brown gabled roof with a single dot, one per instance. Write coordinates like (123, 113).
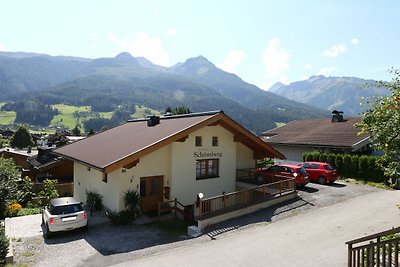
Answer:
(318, 132)
(127, 143)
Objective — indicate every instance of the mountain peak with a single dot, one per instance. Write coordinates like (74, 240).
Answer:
(124, 56)
(199, 60)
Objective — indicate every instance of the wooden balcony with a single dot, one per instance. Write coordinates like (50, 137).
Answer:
(380, 249)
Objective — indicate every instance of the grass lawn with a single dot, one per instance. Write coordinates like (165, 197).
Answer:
(7, 117)
(66, 117)
(141, 112)
(280, 124)
(374, 184)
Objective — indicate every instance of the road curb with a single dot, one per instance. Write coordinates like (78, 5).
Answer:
(10, 254)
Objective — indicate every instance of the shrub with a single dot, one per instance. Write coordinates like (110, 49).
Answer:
(339, 163)
(13, 209)
(347, 165)
(331, 159)
(363, 167)
(323, 157)
(49, 189)
(94, 200)
(4, 242)
(27, 194)
(132, 202)
(354, 172)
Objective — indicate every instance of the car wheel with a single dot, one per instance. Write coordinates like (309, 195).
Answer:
(322, 180)
(47, 233)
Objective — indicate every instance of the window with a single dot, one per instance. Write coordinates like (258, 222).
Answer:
(215, 141)
(207, 168)
(197, 141)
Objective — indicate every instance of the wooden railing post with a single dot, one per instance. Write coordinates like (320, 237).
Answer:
(350, 246)
(200, 209)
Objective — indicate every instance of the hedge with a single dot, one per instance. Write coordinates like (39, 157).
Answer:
(351, 166)
(3, 246)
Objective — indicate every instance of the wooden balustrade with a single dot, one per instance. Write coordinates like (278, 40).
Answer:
(380, 249)
(239, 199)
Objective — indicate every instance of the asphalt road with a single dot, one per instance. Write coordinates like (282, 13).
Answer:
(308, 231)
(314, 238)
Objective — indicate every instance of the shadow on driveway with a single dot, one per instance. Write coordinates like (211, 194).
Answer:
(263, 216)
(110, 239)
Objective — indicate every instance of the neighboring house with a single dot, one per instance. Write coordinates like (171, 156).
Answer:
(19, 156)
(164, 158)
(336, 135)
(48, 165)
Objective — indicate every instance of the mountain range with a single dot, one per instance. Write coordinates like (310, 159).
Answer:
(106, 84)
(330, 93)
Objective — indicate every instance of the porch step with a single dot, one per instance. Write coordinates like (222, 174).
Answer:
(193, 231)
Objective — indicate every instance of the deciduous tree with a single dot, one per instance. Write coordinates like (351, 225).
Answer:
(382, 122)
(22, 138)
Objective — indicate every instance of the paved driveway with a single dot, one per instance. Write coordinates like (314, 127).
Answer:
(105, 244)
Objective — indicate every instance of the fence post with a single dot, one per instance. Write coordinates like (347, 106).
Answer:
(350, 246)
(200, 209)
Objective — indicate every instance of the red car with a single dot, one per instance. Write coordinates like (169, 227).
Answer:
(287, 170)
(321, 172)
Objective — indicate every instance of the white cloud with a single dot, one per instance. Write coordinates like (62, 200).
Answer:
(2, 48)
(276, 62)
(334, 51)
(326, 71)
(171, 32)
(355, 41)
(307, 66)
(232, 60)
(142, 45)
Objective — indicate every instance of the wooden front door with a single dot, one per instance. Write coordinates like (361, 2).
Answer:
(151, 192)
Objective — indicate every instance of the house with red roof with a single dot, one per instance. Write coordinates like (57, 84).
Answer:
(164, 158)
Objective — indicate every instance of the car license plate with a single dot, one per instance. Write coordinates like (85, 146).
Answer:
(68, 219)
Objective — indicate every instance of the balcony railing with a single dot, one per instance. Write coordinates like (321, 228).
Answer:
(236, 200)
(380, 249)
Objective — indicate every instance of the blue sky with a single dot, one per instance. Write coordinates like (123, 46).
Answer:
(261, 41)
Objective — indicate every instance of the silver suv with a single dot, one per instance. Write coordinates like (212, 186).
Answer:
(63, 214)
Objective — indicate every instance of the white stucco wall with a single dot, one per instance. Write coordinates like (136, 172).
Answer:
(92, 180)
(157, 163)
(184, 185)
(244, 157)
(293, 153)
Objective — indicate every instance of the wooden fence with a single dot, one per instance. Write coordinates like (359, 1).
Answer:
(380, 249)
(236, 200)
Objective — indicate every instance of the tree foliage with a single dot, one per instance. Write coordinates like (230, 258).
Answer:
(382, 122)
(22, 138)
(8, 183)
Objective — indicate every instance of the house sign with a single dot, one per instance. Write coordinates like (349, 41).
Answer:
(207, 154)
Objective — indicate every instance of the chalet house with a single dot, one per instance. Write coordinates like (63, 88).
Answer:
(19, 156)
(164, 158)
(45, 164)
(336, 135)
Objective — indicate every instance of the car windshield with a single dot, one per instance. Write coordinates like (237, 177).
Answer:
(329, 167)
(58, 210)
(302, 171)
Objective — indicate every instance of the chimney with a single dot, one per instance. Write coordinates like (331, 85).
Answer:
(153, 121)
(337, 116)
